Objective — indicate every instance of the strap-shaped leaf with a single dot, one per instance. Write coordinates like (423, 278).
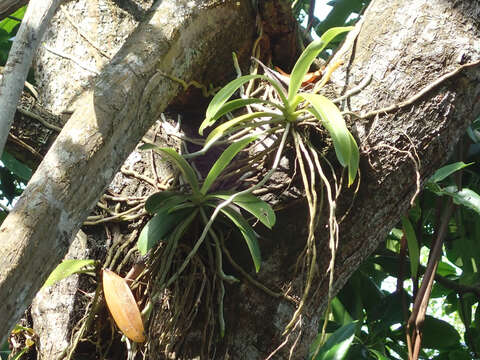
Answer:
(163, 199)
(67, 268)
(158, 228)
(219, 100)
(413, 250)
(447, 170)
(220, 130)
(248, 234)
(223, 162)
(309, 54)
(185, 168)
(331, 117)
(354, 160)
(234, 105)
(249, 202)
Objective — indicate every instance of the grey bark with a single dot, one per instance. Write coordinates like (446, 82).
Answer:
(405, 46)
(15, 73)
(400, 67)
(108, 120)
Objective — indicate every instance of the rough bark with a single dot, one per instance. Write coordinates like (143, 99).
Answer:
(430, 126)
(405, 46)
(108, 120)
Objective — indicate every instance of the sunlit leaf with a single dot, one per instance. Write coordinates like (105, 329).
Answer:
(223, 161)
(447, 170)
(327, 112)
(309, 54)
(220, 98)
(413, 250)
(340, 314)
(67, 268)
(233, 105)
(220, 130)
(465, 197)
(248, 234)
(9, 24)
(258, 208)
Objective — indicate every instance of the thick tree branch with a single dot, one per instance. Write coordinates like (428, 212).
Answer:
(15, 73)
(107, 123)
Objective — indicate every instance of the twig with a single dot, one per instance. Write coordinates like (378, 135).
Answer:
(71, 58)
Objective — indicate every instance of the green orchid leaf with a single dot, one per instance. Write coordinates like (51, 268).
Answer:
(337, 345)
(308, 56)
(223, 162)
(220, 130)
(232, 105)
(354, 160)
(163, 199)
(258, 208)
(158, 228)
(248, 234)
(216, 106)
(187, 171)
(447, 170)
(221, 98)
(327, 112)
(413, 250)
(67, 268)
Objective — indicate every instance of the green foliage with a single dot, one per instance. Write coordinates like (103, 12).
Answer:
(290, 108)
(8, 29)
(67, 268)
(13, 175)
(173, 209)
(413, 250)
(337, 345)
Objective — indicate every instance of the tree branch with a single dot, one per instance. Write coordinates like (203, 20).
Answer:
(31, 31)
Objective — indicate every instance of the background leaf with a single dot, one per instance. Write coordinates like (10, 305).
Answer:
(413, 250)
(447, 170)
(337, 345)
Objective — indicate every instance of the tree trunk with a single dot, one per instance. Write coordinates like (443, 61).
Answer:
(108, 120)
(396, 146)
